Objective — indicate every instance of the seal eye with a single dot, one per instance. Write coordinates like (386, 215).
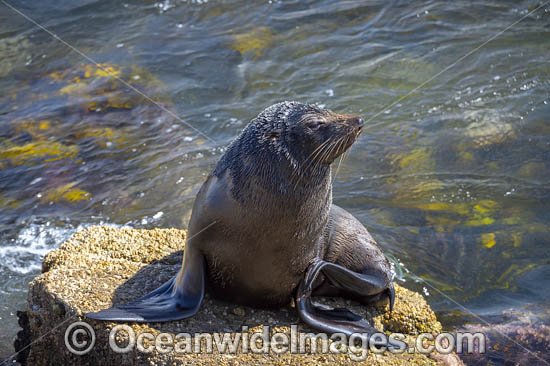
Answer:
(316, 123)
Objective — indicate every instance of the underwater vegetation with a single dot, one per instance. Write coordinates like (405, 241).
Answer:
(99, 121)
(253, 41)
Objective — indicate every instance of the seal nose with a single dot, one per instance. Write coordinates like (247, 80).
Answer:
(358, 122)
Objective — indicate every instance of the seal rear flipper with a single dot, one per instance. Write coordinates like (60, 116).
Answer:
(177, 299)
(364, 287)
(391, 296)
(332, 320)
(339, 320)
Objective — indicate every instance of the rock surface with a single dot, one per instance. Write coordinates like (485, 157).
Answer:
(101, 266)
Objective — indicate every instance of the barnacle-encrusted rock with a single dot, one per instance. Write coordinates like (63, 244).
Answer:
(101, 265)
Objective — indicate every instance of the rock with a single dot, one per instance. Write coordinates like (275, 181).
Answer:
(515, 337)
(101, 266)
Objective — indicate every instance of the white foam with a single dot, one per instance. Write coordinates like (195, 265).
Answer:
(24, 254)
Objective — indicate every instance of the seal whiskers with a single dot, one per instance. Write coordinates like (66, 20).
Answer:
(327, 149)
(316, 161)
(343, 157)
(310, 159)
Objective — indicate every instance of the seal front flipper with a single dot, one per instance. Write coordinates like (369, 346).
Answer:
(336, 320)
(177, 299)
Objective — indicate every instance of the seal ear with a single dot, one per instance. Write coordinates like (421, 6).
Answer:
(275, 133)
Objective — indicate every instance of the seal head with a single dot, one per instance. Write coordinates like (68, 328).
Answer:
(288, 146)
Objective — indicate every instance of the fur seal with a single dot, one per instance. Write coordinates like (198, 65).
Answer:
(263, 228)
